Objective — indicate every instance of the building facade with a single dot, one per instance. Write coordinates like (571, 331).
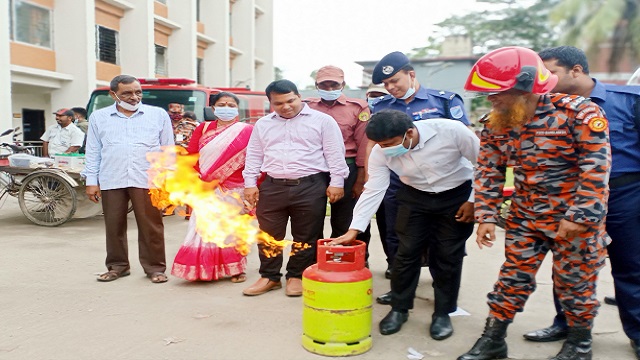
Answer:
(55, 52)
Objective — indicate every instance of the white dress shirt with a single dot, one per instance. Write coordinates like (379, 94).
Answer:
(117, 146)
(307, 144)
(62, 138)
(442, 160)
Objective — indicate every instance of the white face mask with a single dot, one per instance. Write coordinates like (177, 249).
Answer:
(126, 105)
(225, 113)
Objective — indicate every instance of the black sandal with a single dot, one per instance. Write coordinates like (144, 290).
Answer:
(112, 275)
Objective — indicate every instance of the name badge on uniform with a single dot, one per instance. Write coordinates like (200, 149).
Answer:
(558, 132)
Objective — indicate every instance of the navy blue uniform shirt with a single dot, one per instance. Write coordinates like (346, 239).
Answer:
(619, 104)
(426, 104)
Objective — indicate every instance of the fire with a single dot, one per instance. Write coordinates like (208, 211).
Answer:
(219, 219)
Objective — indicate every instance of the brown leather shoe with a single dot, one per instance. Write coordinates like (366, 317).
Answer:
(294, 287)
(262, 286)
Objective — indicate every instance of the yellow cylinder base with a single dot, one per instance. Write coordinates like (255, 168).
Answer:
(336, 349)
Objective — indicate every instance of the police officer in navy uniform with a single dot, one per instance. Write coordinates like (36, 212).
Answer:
(399, 78)
(622, 107)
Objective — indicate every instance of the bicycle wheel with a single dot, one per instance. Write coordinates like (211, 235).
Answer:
(47, 199)
(6, 184)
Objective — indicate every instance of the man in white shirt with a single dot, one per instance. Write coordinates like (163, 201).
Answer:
(434, 159)
(62, 138)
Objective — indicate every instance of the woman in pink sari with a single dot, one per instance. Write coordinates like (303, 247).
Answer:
(222, 146)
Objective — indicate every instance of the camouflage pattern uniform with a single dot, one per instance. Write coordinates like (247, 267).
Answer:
(561, 160)
(183, 131)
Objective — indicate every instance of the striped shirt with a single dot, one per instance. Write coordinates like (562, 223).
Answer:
(117, 146)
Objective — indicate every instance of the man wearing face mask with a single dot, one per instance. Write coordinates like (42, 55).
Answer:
(434, 160)
(407, 95)
(118, 140)
(352, 116)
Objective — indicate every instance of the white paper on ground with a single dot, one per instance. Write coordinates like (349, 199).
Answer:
(460, 312)
(414, 355)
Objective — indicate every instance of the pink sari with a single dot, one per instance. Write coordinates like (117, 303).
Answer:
(222, 156)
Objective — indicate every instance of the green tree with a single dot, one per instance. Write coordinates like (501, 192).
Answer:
(277, 73)
(588, 24)
(503, 23)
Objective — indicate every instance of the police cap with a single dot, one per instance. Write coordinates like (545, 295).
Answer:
(388, 66)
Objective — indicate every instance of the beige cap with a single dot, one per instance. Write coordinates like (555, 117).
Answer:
(377, 88)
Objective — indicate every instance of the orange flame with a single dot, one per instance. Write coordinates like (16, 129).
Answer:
(219, 219)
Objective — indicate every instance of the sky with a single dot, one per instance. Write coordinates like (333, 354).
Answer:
(309, 34)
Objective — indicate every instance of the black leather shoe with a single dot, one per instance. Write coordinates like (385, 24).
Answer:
(552, 333)
(387, 274)
(392, 323)
(384, 299)
(440, 327)
(610, 300)
(635, 345)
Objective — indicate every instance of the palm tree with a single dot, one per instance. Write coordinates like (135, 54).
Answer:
(588, 24)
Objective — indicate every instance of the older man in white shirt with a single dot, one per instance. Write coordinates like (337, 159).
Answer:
(120, 137)
(62, 138)
(434, 159)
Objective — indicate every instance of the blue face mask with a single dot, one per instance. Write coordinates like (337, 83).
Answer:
(329, 95)
(397, 150)
(225, 113)
(372, 101)
(409, 93)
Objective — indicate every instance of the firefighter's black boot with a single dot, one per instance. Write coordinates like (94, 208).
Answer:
(491, 345)
(577, 346)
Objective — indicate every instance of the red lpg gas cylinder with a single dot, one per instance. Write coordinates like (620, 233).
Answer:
(336, 319)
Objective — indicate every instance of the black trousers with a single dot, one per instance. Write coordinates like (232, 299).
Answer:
(304, 202)
(342, 210)
(426, 219)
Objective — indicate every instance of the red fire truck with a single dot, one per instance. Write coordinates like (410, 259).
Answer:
(161, 92)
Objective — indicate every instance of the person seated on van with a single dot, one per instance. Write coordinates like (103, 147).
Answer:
(182, 127)
(62, 138)
(80, 115)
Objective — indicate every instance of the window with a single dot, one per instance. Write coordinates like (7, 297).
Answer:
(30, 23)
(199, 71)
(107, 45)
(161, 60)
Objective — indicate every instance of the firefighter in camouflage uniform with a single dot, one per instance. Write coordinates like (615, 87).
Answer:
(558, 147)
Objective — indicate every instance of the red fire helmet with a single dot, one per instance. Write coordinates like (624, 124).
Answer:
(511, 67)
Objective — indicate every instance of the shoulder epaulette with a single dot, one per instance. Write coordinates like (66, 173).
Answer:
(626, 89)
(571, 102)
(442, 94)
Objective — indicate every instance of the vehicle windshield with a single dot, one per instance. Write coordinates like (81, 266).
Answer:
(193, 100)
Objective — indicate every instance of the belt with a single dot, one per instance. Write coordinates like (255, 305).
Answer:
(298, 181)
(464, 185)
(623, 180)
(350, 160)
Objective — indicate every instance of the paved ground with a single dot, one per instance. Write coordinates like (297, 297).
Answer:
(51, 306)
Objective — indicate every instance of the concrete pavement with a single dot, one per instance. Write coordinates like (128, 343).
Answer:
(51, 306)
